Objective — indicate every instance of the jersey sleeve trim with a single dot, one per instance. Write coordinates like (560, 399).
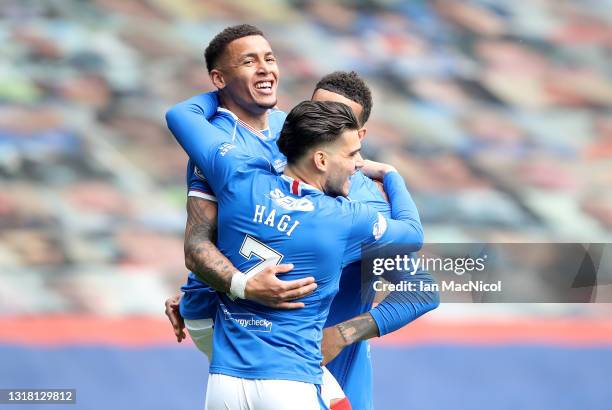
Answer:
(203, 195)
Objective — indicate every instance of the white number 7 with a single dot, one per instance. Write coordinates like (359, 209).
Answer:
(269, 257)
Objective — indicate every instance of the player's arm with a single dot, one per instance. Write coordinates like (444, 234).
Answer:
(188, 122)
(202, 257)
(206, 147)
(404, 226)
(399, 308)
(205, 260)
(395, 311)
(205, 104)
(204, 143)
(337, 337)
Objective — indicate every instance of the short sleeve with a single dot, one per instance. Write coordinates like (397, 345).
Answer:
(197, 185)
(206, 145)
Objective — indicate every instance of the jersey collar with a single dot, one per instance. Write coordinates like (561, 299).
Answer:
(257, 133)
(300, 188)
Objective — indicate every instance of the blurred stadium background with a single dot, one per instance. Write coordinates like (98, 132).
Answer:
(497, 112)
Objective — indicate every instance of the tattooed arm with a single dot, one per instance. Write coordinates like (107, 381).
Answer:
(395, 311)
(205, 260)
(202, 256)
(359, 328)
(336, 338)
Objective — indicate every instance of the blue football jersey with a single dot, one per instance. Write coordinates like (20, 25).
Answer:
(266, 219)
(199, 300)
(255, 142)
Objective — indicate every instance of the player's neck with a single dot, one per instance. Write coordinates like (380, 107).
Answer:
(303, 175)
(258, 121)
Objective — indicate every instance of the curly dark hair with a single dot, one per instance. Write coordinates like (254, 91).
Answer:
(351, 86)
(218, 45)
(313, 123)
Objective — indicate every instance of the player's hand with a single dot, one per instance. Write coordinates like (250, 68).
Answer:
(175, 318)
(332, 344)
(266, 289)
(376, 170)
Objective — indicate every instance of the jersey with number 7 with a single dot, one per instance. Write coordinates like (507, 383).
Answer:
(264, 219)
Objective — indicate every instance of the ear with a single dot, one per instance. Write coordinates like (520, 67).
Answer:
(320, 160)
(362, 133)
(217, 79)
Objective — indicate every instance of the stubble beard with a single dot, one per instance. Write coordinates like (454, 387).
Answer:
(266, 106)
(334, 190)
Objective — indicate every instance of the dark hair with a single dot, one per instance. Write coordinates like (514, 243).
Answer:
(351, 86)
(312, 123)
(218, 44)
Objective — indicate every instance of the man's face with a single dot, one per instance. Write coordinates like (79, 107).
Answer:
(343, 160)
(250, 73)
(325, 95)
(342, 166)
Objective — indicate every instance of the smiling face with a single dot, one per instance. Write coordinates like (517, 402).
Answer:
(346, 158)
(343, 159)
(248, 75)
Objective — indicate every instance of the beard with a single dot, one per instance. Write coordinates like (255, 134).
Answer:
(266, 106)
(334, 188)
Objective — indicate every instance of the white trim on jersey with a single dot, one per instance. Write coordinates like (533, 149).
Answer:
(258, 133)
(225, 110)
(202, 195)
(234, 131)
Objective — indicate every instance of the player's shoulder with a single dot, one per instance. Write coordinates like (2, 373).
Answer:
(275, 112)
(224, 119)
(248, 163)
(201, 98)
(224, 115)
(364, 189)
(197, 102)
(341, 207)
(276, 119)
(358, 179)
